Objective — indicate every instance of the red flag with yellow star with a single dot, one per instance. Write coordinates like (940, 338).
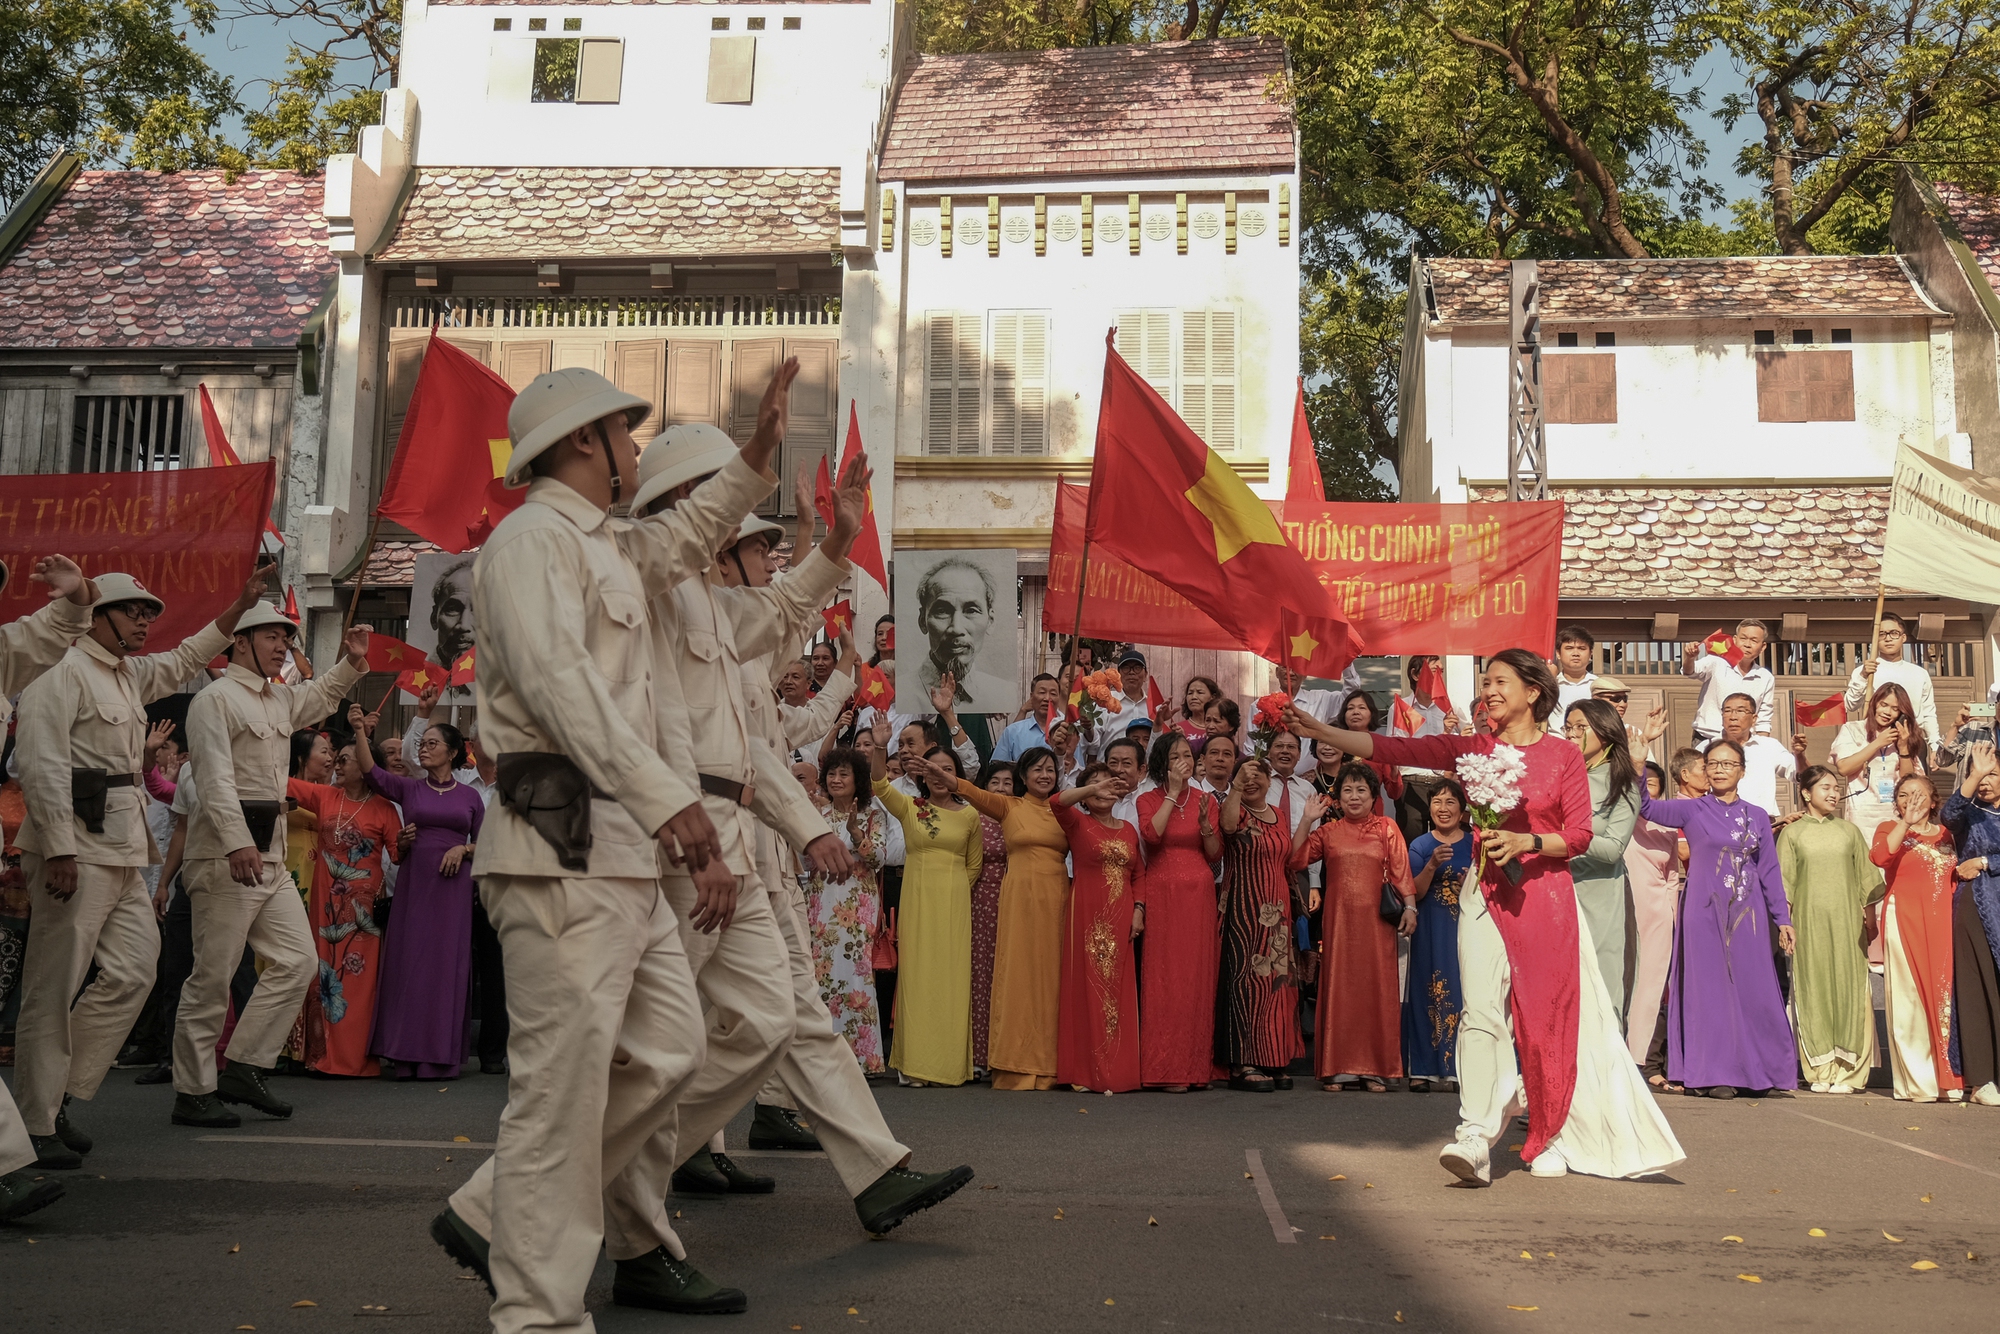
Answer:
(1724, 646)
(872, 688)
(463, 670)
(839, 618)
(444, 484)
(1165, 503)
(424, 676)
(386, 653)
(867, 553)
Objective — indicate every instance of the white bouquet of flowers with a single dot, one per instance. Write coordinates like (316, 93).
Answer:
(1493, 787)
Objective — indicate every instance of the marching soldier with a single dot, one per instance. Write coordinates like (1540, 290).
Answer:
(29, 647)
(239, 740)
(81, 745)
(606, 1027)
(817, 1067)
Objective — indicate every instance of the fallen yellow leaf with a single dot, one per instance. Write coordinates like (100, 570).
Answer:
(1332, 1238)
(1083, 1111)
(447, 1157)
(1549, 1255)
(1732, 1190)
(852, 1311)
(461, 1139)
(1923, 1199)
(1248, 1176)
(1750, 1278)
(1516, 1148)
(1527, 1255)
(1775, 1191)
(1399, 1317)
(1152, 1221)
(1733, 1237)
(1815, 1232)
(1059, 1215)
(1109, 1302)
(237, 1247)
(246, 1327)
(1913, 1127)
(1367, 1185)
(677, 1213)
(297, 1305)
(1923, 1264)
(1885, 1234)
(1524, 1308)
(1341, 1177)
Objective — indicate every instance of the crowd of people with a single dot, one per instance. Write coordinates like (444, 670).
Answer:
(677, 868)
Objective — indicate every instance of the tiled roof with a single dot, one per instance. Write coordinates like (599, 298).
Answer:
(1713, 542)
(1475, 291)
(1171, 107)
(394, 564)
(180, 259)
(572, 4)
(1978, 220)
(554, 213)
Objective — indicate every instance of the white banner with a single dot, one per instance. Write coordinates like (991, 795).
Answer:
(1944, 530)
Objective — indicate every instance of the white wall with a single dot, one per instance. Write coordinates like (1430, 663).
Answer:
(1687, 405)
(1084, 296)
(817, 94)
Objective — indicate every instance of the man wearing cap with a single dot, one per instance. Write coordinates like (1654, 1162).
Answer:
(606, 1026)
(29, 647)
(85, 842)
(1639, 739)
(1131, 704)
(239, 739)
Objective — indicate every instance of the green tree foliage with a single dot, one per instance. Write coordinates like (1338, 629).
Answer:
(331, 85)
(114, 80)
(1845, 91)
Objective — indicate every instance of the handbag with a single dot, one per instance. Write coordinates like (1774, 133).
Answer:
(1391, 907)
(882, 949)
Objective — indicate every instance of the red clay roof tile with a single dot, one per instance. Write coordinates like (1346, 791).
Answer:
(1475, 291)
(1170, 107)
(1977, 217)
(180, 259)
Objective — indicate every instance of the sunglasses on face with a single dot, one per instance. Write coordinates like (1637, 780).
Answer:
(1619, 698)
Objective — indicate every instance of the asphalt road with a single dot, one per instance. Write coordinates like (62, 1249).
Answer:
(1140, 1211)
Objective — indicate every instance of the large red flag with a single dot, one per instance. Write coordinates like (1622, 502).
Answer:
(1303, 481)
(867, 551)
(1167, 504)
(221, 455)
(444, 485)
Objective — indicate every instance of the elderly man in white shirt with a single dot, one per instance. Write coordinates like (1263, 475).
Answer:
(1765, 759)
(1131, 704)
(1127, 761)
(1719, 680)
(1890, 667)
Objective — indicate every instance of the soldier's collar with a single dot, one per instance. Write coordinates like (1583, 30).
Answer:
(566, 502)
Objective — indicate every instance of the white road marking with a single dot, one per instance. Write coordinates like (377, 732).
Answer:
(1281, 1228)
(1898, 1143)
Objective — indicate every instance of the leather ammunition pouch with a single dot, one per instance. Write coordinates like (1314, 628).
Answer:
(87, 788)
(262, 818)
(553, 796)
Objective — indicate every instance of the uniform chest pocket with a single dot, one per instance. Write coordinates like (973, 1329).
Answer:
(115, 712)
(619, 648)
(259, 726)
(702, 680)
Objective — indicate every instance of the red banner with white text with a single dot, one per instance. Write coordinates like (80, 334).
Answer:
(1468, 579)
(188, 534)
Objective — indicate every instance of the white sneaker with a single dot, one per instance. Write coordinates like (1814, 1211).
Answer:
(1549, 1163)
(1468, 1160)
(1822, 1088)
(1840, 1088)
(1987, 1095)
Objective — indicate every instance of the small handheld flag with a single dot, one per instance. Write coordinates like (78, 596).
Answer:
(1723, 645)
(1156, 703)
(462, 671)
(1829, 712)
(839, 618)
(386, 653)
(1404, 717)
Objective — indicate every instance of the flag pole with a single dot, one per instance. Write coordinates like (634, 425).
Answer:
(354, 602)
(385, 697)
(1875, 631)
(1076, 630)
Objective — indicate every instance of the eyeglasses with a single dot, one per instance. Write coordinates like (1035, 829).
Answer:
(1721, 766)
(139, 611)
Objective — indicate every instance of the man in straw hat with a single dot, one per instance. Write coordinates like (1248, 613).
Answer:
(82, 744)
(239, 741)
(29, 647)
(607, 1028)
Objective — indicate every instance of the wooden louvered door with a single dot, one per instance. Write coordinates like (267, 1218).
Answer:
(1020, 382)
(951, 384)
(640, 369)
(1208, 376)
(810, 430)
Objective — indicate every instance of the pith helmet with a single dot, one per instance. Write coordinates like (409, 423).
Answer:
(681, 454)
(556, 404)
(263, 614)
(755, 527)
(118, 587)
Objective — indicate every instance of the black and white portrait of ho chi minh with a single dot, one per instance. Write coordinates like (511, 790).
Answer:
(957, 612)
(441, 616)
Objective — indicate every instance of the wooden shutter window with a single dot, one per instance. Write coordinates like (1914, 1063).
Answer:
(752, 363)
(951, 384)
(1580, 389)
(1020, 382)
(1145, 343)
(521, 362)
(809, 430)
(600, 69)
(1797, 385)
(1208, 376)
(641, 369)
(693, 382)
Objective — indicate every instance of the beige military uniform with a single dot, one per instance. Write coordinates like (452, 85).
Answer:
(817, 1075)
(29, 647)
(240, 738)
(89, 712)
(743, 989)
(606, 1028)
